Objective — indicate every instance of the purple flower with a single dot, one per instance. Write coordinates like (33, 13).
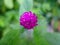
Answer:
(28, 20)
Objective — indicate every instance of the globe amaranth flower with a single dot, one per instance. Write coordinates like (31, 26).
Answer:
(28, 20)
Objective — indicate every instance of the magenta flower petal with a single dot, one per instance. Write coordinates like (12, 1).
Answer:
(28, 20)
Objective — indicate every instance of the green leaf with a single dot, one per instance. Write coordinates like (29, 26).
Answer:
(46, 6)
(55, 25)
(12, 37)
(25, 5)
(55, 11)
(42, 23)
(9, 3)
(14, 17)
(53, 38)
(39, 32)
(2, 21)
(39, 38)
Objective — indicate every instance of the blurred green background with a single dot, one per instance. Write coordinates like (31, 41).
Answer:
(10, 28)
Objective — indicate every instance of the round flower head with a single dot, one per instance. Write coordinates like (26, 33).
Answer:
(28, 20)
